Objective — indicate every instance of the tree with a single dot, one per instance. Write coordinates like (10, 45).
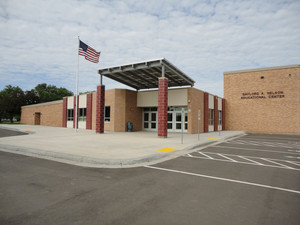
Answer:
(3, 113)
(48, 93)
(11, 100)
(31, 97)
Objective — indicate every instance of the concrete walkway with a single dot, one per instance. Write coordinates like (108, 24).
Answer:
(111, 149)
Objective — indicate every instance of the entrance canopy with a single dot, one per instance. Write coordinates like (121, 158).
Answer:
(144, 75)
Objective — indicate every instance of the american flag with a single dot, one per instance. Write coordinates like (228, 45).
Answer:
(88, 52)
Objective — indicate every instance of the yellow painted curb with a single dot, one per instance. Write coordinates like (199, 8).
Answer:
(166, 149)
(212, 139)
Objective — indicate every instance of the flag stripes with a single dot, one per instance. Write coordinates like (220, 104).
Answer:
(89, 53)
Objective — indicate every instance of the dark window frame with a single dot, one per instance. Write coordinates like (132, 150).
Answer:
(107, 114)
(211, 117)
(70, 114)
(82, 114)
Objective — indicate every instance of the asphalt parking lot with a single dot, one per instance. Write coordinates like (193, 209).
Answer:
(7, 133)
(253, 179)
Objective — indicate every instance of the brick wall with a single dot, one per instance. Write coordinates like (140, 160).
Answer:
(223, 115)
(195, 102)
(205, 114)
(64, 112)
(132, 112)
(162, 107)
(51, 114)
(265, 101)
(216, 113)
(94, 102)
(100, 109)
(123, 109)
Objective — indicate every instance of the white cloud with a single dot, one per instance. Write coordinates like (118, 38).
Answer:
(203, 39)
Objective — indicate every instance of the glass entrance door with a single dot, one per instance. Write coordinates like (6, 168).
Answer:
(150, 118)
(176, 120)
(170, 121)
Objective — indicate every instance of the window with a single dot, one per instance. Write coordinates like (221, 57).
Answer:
(150, 117)
(107, 114)
(220, 117)
(70, 114)
(186, 121)
(82, 114)
(211, 117)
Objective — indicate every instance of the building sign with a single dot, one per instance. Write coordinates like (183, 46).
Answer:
(263, 95)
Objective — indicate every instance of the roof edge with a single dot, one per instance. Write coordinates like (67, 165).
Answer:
(262, 69)
(129, 64)
(43, 104)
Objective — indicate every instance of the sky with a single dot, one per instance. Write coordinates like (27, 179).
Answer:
(39, 39)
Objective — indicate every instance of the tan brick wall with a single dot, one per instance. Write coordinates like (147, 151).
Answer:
(51, 114)
(123, 109)
(133, 113)
(109, 101)
(119, 110)
(262, 113)
(195, 102)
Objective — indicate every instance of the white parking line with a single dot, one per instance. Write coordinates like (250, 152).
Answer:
(269, 144)
(271, 139)
(205, 155)
(225, 179)
(227, 158)
(253, 149)
(251, 160)
(277, 163)
(295, 163)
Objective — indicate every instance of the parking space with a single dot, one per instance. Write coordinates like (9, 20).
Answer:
(268, 161)
(256, 150)
(260, 173)
(235, 182)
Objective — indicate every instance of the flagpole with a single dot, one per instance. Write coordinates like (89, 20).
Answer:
(76, 98)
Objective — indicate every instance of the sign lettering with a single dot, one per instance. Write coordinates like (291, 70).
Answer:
(263, 95)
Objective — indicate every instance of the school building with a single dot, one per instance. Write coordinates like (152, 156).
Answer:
(265, 100)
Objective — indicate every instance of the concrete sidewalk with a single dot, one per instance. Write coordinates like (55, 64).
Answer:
(111, 149)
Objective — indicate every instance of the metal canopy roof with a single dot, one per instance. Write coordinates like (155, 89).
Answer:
(144, 75)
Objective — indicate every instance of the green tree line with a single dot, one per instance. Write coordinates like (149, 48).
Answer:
(12, 98)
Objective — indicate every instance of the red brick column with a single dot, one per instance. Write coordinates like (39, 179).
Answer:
(100, 109)
(74, 111)
(89, 100)
(65, 112)
(216, 113)
(223, 114)
(205, 112)
(163, 107)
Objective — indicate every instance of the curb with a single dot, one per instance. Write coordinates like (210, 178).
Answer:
(86, 161)
(81, 160)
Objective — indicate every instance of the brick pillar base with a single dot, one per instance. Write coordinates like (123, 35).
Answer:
(100, 109)
(216, 112)
(65, 112)
(205, 116)
(163, 107)
(223, 114)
